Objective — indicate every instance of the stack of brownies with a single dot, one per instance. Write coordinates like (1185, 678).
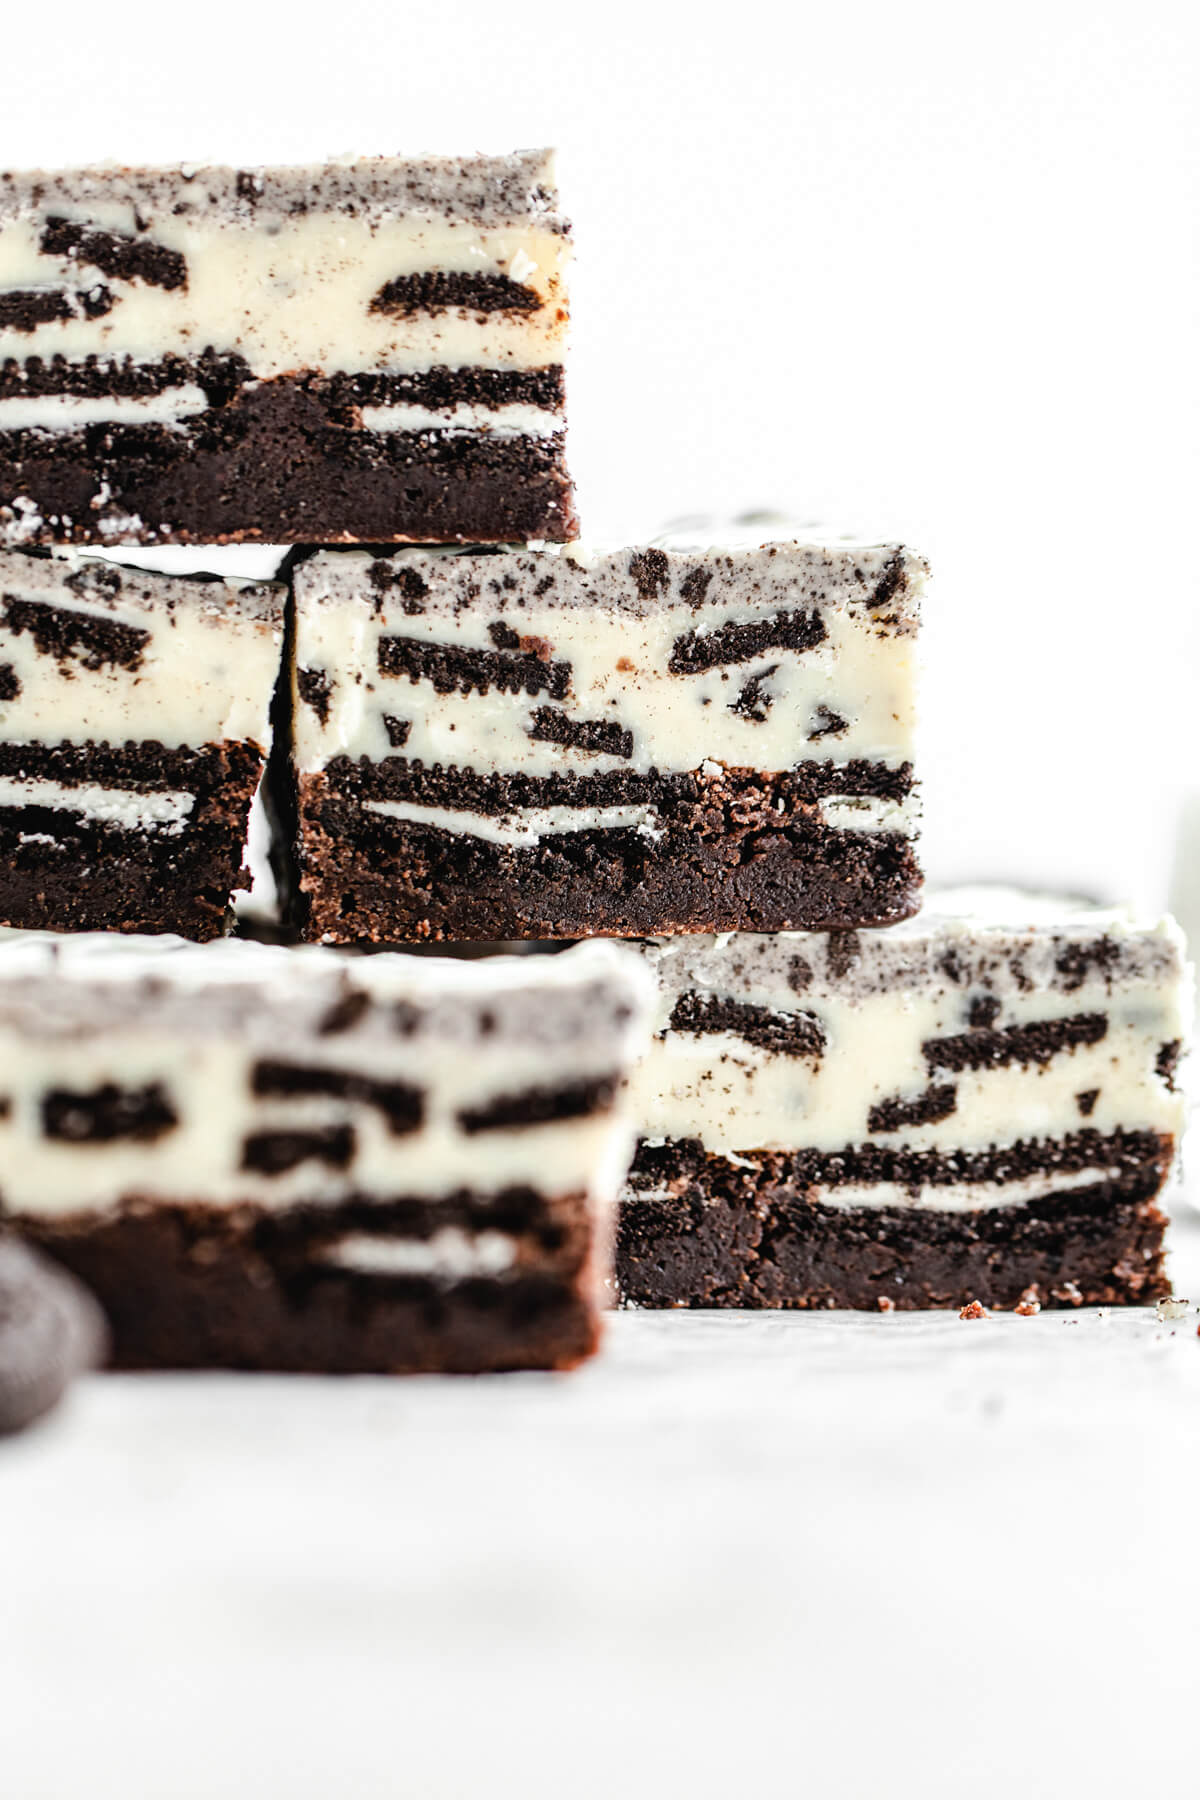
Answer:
(280, 1155)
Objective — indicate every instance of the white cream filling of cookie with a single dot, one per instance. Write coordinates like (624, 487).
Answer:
(527, 825)
(70, 412)
(163, 813)
(449, 1255)
(500, 421)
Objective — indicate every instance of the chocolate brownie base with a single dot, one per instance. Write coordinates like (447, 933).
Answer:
(197, 1287)
(718, 1235)
(738, 853)
(64, 871)
(282, 461)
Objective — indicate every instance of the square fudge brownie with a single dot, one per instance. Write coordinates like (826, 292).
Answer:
(548, 744)
(134, 730)
(360, 350)
(267, 1158)
(979, 1105)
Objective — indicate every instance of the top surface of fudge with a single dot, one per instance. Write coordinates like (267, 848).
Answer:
(1004, 940)
(616, 741)
(369, 349)
(84, 985)
(479, 190)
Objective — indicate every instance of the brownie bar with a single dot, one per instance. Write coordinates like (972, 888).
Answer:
(553, 744)
(361, 351)
(133, 738)
(977, 1105)
(268, 1158)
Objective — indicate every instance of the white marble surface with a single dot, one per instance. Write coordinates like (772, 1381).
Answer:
(836, 1554)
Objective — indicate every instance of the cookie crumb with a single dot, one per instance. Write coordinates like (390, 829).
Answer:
(885, 1303)
(973, 1310)
(1028, 1306)
(1172, 1309)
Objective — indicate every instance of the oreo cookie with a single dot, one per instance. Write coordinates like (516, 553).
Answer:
(50, 1331)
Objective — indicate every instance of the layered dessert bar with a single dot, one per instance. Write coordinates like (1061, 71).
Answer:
(288, 1159)
(360, 350)
(558, 743)
(978, 1106)
(134, 731)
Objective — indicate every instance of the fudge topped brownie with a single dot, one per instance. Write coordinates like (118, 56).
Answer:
(134, 729)
(980, 1102)
(369, 349)
(294, 1159)
(556, 743)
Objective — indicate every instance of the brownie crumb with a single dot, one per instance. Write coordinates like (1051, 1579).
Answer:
(397, 730)
(10, 682)
(503, 636)
(1086, 1102)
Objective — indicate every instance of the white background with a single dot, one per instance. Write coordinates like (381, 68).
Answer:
(918, 269)
(927, 270)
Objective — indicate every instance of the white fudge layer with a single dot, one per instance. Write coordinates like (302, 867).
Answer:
(628, 632)
(282, 265)
(199, 657)
(878, 999)
(77, 1014)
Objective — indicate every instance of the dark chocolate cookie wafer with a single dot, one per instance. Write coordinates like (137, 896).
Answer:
(50, 1331)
